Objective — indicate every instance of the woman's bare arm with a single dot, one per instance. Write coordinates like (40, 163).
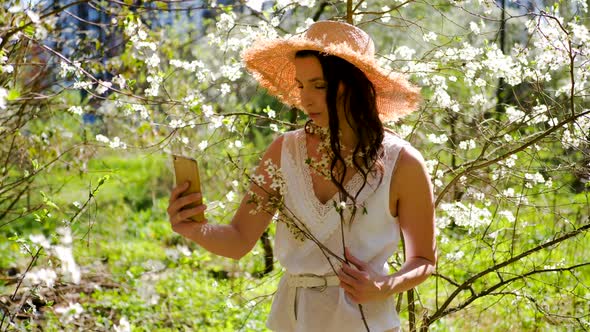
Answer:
(412, 189)
(412, 201)
(238, 238)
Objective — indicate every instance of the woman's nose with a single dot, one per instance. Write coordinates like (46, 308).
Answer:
(305, 98)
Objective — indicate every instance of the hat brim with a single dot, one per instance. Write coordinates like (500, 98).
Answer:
(271, 62)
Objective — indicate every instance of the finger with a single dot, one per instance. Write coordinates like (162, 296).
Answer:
(180, 215)
(183, 201)
(347, 279)
(178, 190)
(185, 215)
(355, 261)
(354, 272)
(347, 288)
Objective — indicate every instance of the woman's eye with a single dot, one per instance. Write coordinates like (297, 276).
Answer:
(300, 87)
(320, 86)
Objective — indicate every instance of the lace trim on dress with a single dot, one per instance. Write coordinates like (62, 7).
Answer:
(322, 219)
(322, 209)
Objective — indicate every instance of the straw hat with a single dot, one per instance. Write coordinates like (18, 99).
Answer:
(271, 61)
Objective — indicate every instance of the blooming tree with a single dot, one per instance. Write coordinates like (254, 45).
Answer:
(504, 126)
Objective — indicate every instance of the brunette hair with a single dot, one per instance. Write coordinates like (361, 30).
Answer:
(360, 109)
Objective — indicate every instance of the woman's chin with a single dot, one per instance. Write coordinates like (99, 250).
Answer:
(320, 122)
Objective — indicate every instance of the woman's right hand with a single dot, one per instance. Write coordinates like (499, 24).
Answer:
(178, 213)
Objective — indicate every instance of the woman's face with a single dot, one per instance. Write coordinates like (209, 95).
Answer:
(312, 89)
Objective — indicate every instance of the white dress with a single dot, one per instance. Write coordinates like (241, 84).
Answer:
(373, 237)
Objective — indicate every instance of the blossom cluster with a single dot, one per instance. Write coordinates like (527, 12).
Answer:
(62, 251)
(147, 51)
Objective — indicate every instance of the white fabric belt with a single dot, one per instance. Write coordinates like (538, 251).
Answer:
(295, 281)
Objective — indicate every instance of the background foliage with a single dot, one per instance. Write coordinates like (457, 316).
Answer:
(95, 95)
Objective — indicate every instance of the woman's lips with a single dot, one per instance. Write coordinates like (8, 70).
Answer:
(313, 115)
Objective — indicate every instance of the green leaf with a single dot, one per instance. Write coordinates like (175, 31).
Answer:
(102, 180)
(29, 31)
(47, 201)
(13, 94)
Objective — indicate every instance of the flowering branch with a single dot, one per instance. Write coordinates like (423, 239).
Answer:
(444, 309)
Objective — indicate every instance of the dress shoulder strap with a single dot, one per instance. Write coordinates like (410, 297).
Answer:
(392, 146)
(290, 152)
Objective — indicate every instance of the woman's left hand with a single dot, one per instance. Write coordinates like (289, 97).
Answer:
(361, 283)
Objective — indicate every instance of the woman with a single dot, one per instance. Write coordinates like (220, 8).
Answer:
(347, 187)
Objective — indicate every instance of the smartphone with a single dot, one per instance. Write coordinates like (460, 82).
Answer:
(187, 169)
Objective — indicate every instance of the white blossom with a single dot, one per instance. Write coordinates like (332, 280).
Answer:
(538, 114)
(203, 145)
(474, 28)
(255, 5)
(216, 122)
(123, 326)
(509, 192)
(510, 161)
(536, 178)
(15, 9)
(117, 143)
(231, 72)
(153, 61)
(39, 277)
(102, 138)
(77, 110)
(431, 36)
(258, 179)
(508, 215)
(431, 165)
(66, 69)
(582, 4)
(438, 139)
(142, 110)
(176, 123)
(405, 130)
(514, 114)
(207, 111)
(69, 313)
(225, 22)
(455, 256)
(467, 145)
(155, 81)
(468, 215)
(7, 69)
(3, 95)
(102, 87)
(33, 16)
(64, 253)
(82, 85)
(478, 99)
(41, 240)
(405, 52)
(224, 89)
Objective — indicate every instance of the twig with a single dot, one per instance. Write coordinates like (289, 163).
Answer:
(442, 311)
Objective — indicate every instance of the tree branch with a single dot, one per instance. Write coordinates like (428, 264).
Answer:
(442, 311)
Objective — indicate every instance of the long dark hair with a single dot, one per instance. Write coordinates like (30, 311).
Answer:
(360, 109)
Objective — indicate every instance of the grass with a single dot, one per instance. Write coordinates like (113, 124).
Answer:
(135, 267)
